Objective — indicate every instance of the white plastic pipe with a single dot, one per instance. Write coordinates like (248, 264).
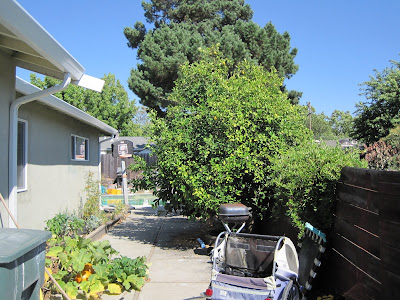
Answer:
(13, 136)
(124, 182)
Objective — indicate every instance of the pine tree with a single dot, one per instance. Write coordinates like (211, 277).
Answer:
(180, 28)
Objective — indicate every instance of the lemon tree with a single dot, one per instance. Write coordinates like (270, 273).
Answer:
(216, 144)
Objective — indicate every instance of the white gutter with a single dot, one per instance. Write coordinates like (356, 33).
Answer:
(13, 136)
(16, 19)
(38, 51)
(65, 108)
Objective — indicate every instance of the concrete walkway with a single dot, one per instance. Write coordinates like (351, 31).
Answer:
(180, 269)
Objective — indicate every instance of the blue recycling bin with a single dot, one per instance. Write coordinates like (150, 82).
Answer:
(22, 263)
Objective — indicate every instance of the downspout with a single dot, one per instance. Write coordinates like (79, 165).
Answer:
(13, 140)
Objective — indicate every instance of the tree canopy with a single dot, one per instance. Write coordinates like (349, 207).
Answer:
(180, 28)
(319, 124)
(341, 123)
(336, 126)
(209, 153)
(376, 116)
(111, 106)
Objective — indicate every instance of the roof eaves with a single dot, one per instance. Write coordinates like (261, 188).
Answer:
(14, 17)
(26, 88)
(53, 59)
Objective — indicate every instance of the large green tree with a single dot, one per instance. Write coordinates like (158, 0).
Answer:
(179, 28)
(111, 106)
(216, 144)
(341, 123)
(320, 126)
(376, 116)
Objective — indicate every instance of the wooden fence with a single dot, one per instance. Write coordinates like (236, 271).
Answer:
(110, 166)
(364, 262)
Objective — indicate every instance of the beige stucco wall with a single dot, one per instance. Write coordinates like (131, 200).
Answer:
(7, 94)
(55, 182)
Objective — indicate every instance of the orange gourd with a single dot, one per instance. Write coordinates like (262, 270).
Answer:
(84, 275)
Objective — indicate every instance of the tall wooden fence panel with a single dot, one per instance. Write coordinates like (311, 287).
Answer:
(111, 165)
(365, 257)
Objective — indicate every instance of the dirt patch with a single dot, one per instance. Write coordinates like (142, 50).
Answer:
(187, 237)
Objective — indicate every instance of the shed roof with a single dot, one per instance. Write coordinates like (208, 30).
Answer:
(139, 142)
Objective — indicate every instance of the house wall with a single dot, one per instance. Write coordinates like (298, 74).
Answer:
(7, 94)
(55, 182)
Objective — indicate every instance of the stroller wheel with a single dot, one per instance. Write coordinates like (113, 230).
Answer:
(291, 292)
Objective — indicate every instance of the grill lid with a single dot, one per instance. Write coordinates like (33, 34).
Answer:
(234, 212)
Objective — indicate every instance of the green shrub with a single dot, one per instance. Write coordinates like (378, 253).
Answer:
(93, 194)
(393, 138)
(215, 146)
(303, 183)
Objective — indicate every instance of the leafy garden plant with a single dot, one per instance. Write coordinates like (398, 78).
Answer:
(85, 269)
(129, 272)
(121, 210)
(93, 194)
(67, 224)
(64, 224)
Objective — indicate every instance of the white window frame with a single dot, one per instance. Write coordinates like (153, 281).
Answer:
(73, 148)
(25, 154)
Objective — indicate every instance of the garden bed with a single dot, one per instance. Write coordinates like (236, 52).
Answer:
(103, 229)
(85, 267)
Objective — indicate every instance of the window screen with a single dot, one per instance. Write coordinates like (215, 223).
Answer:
(79, 148)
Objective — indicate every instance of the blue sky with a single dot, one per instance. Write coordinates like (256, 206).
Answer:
(339, 42)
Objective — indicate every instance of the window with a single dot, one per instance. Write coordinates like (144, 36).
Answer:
(79, 148)
(22, 154)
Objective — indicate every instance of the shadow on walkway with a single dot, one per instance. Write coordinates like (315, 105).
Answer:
(170, 231)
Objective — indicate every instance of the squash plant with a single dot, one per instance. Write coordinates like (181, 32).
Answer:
(129, 272)
(84, 268)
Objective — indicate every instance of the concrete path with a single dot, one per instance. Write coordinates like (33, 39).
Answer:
(180, 269)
